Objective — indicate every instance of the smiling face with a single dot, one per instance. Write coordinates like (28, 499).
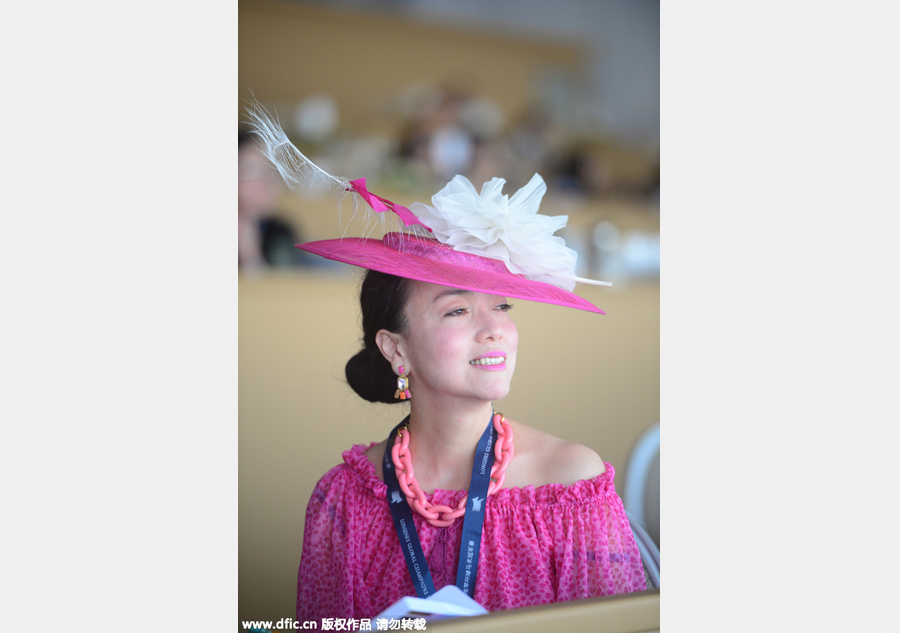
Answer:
(457, 343)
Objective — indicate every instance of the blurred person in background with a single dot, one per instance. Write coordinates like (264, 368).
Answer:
(437, 143)
(263, 239)
(534, 146)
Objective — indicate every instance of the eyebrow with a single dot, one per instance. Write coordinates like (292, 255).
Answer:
(451, 291)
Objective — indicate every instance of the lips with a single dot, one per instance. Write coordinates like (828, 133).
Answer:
(491, 359)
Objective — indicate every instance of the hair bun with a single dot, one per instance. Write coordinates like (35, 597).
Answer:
(371, 376)
(382, 298)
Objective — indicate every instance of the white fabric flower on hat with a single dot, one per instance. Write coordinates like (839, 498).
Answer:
(496, 226)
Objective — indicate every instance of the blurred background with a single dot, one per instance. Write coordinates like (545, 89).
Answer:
(409, 93)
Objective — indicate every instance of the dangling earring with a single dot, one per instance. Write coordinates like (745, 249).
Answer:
(402, 392)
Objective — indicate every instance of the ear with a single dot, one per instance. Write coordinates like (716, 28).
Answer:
(391, 348)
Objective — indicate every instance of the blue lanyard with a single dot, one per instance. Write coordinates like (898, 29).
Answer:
(473, 523)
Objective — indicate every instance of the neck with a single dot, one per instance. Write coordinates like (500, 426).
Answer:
(443, 441)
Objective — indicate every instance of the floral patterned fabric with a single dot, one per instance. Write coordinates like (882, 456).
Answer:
(540, 545)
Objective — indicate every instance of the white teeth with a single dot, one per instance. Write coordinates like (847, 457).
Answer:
(499, 360)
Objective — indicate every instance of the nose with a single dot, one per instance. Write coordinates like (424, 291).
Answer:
(490, 327)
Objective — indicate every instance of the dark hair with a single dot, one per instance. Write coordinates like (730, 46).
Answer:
(382, 299)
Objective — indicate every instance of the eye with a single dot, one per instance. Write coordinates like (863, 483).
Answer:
(505, 307)
(457, 312)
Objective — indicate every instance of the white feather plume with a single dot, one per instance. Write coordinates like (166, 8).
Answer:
(298, 172)
(302, 175)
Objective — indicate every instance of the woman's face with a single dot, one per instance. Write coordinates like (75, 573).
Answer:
(459, 343)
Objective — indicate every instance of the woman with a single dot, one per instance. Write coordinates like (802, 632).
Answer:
(457, 493)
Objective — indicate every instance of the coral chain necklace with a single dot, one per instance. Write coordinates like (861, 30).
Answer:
(440, 515)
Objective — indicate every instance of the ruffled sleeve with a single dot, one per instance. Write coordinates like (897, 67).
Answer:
(597, 554)
(558, 543)
(329, 582)
(321, 577)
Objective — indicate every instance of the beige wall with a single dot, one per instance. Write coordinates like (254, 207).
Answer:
(584, 377)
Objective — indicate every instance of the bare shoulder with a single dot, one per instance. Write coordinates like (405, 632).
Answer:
(575, 462)
(542, 458)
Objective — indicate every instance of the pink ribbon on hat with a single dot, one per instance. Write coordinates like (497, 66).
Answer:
(380, 205)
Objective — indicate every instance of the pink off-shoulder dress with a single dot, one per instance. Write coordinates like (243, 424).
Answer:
(547, 544)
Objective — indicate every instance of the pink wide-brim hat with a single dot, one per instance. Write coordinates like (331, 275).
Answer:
(424, 259)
